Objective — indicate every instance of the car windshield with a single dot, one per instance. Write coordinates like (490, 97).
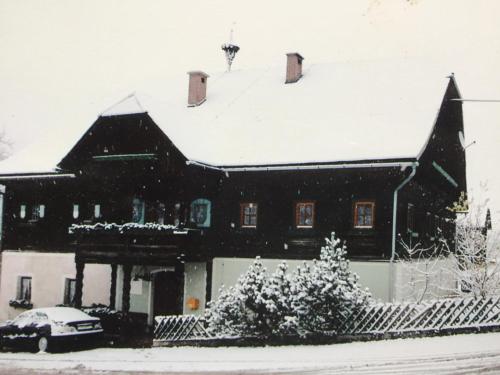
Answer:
(66, 314)
(30, 317)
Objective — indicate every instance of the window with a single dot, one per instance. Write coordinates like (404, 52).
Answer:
(37, 212)
(24, 290)
(22, 211)
(161, 211)
(138, 206)
(200, 212)
(304, 214)
(410, 218)
(97, 211)
(248, 215)
(364, 214)
(69, 291)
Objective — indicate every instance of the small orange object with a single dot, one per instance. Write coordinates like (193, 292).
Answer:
(193, 303)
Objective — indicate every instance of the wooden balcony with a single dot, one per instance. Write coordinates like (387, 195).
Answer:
(133, 243)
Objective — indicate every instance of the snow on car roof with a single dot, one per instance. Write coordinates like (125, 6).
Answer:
(64, 314)
(335, 112)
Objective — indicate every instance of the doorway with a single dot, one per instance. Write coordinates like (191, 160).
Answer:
(168, 292)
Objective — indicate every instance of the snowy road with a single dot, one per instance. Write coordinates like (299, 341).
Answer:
(461, 354)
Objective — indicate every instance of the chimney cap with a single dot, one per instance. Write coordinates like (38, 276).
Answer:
(198, 72)
(295, 54)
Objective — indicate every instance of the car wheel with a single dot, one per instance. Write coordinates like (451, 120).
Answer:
(43, 344)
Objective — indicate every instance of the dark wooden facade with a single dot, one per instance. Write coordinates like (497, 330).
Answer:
(127, 157)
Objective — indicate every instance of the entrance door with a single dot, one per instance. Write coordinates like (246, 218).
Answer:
(168, 293)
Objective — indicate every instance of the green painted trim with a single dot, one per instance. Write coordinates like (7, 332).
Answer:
(125, 157)
(445, 174)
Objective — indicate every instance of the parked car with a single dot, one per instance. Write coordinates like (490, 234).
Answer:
(44, 328)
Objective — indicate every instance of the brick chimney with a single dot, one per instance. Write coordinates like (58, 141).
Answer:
(197, 88)
(293, 67)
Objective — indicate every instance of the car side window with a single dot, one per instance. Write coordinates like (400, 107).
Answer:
(40, 317)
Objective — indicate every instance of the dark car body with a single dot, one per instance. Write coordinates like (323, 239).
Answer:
(46, 327)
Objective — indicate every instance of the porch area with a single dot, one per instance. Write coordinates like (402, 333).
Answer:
(154, 269)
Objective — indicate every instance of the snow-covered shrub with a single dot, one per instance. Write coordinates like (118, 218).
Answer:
(316, 298)
(326, 292)
(255, 306)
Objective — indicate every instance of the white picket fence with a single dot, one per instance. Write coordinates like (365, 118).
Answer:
(377, 319)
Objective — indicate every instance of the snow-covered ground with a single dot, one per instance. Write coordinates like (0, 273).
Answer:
(453, 354)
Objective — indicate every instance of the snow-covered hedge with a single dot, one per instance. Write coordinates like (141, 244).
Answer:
(120, 228)
(316, 297)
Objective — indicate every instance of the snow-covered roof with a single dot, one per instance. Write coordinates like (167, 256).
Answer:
(335, 112)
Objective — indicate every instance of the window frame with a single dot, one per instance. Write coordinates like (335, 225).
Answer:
(23, 210)
(36, 212)
(365, 202)
(67, 300)
(297, 214)
(244, 205)
(199, 202)
(138, 216)
(20, 294)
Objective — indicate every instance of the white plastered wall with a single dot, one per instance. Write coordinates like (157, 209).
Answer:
(374, 275)
(195, 286)
(48, 272)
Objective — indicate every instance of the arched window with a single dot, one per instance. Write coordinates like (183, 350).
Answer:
(200, 213)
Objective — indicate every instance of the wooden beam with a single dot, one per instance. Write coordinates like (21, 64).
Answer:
(127, 278)
(112, 290)
(79, 283)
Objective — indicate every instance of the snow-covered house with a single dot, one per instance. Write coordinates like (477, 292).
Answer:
(173, 198)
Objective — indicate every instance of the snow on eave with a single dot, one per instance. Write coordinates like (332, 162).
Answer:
(33, 176)
(378, 163)
(127, 106)
(424, 147)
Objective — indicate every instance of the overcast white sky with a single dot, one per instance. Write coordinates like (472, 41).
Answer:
(64, 61)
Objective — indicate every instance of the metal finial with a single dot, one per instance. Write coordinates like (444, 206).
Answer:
(230, 50)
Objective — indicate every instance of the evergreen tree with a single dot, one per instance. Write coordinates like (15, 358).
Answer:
(324, 294)
(317, 297)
